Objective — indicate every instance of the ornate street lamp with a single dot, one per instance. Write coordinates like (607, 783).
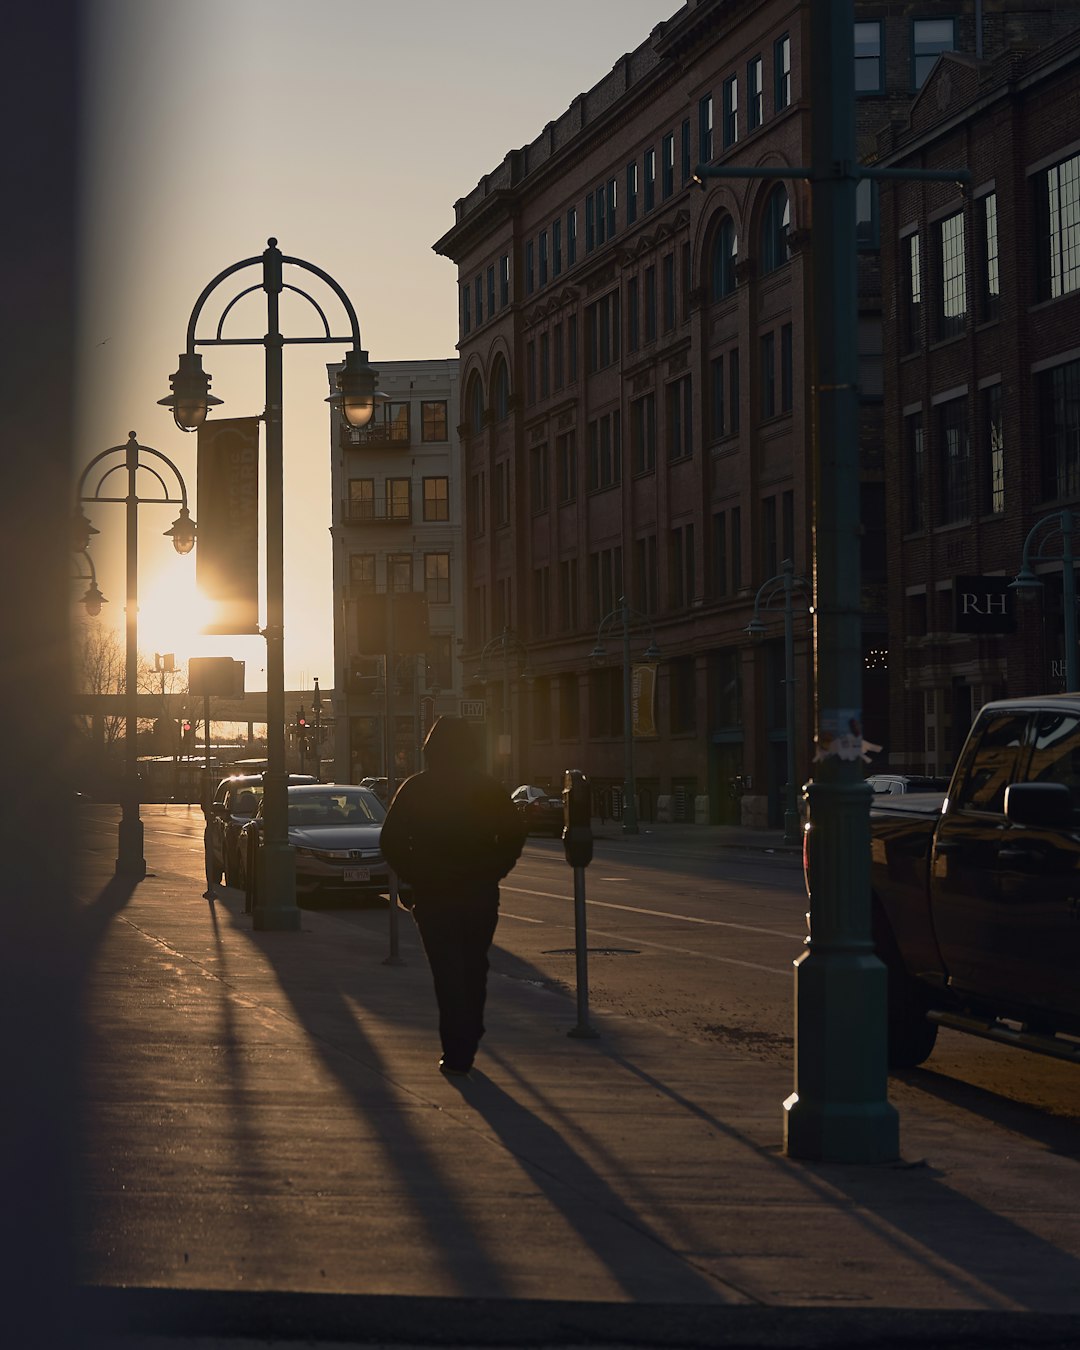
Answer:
(191, 401)
(1027, 584)
(506, 644)
(781, 588)
(93, 599)
(627, 618)
(130, 459)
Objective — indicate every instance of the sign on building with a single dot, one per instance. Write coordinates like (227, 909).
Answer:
(983, 605)
(473, 709)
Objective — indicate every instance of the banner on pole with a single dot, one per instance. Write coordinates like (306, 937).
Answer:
(227, 556)
(643, 698)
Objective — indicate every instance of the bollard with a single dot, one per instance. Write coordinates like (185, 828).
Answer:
(578, 846)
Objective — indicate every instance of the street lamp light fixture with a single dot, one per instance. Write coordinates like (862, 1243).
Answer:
(626, 617)
(191, 398)
(355, 395)
(93, 599)
(182, 532)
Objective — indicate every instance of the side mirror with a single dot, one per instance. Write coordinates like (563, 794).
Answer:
(1040, 804)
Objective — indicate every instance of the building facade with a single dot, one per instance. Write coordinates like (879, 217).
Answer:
(397, 533)
(982, 382)
(634, 422)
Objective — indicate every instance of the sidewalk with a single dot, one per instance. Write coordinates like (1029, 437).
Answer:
(270, 1152)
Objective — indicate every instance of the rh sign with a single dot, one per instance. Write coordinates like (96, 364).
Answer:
(982, 605)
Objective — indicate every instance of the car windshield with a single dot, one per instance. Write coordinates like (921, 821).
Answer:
(335, 806)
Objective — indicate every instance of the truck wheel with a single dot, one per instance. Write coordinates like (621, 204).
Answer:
(911, 1036)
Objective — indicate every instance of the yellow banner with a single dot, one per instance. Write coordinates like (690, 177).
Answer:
(643, 698)
(227, 556)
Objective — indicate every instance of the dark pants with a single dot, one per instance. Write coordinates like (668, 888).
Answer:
(456, 934)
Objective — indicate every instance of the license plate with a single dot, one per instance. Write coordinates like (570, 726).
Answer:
(358, 874)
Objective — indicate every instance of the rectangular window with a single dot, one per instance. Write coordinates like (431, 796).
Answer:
(612, 207)
(399, 570)
(362, 573)
(768, 375)
(786, 369)
(1058, 200)
(572, 346)
(866, 214)
(436, 499)
(687, 280)
(990, 280)
(755, 94)
(731, 111)
(530, 373)
(645, 574)
(543, 250)
(545, 365)
(566, 465)
(437, 578)
(603, 466)
(650, 304)
(633, 315)
(868, 63)
(769, 560)
(643, 434)
(929, 38)
(479, 288)
(787, 525)
(995, 450)
(682, 566)
(559, 371)
(530, 280)
(668, 290)
(914, 473)
(631, 193)
(538, 478)
(781, 73)
(399, 499)
(734, 390)
(687, 164)
(601, 214)
(705, 129)
(571, 236)
(590, 223)
(556, 247)
(478, 504)
(954, 461)
(717, 407)
(502, 493)
(602, 321)
(568, 596)
(953, 312)
(650, 179)
(504, 281)
(466, 309)
(433, 420)
(913, 306)
(1059, 427)
(667, 165)
(719, 555)
(736, 548)
(491, 290)
(541, 609)
(680, 419)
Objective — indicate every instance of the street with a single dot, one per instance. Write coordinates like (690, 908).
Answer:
(698, 945)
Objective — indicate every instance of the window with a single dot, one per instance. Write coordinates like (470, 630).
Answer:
(541, 610)
(538, 477)
(774, 230)
(768, 375)
(787, 524)
(731, 111)
(433, 420)
(868, 64)
(612, 206)
(782, 72)
(590, 223)
(667, 166)
(502, 493)
(769, 559)
(633, 315)
(631, 193)
(650, 179)
(717, 408)
(391, 423)
(643, 434)
(705, 129)
(866, 214)
(602, 321)
(650, 304)
(687, 280)
(466, 310)
(682, 566)
(478, 504)
(500, 390)
(953, 312)
(571, 236)
(362, 573)
(786, 369)
(1059, 426)
(1058, 201)
(736, 548)
(680, 419)
(361, 499)
(559, 372)
(686, 160)
(645, 574)
(556, 247)
(990, 278)
(603, 467)
(530, 280)
(437, 578)
(543, 257)
(725, 255)
(530, 373)
(479, 290)
(566, 465)
(545, 365)
(719, 554)
(914, 473)
(929, 38)
(439, 661)
(399, 569)
(504, 280)
(572, 346)
(734, 392)
(399, 499)
(568, 597)
(596, 216)
(913, 306)
(993, 762)
(995, 450)
(605, 583)
(954, 461)
(667, 266)
(755, 94)
(436, 499)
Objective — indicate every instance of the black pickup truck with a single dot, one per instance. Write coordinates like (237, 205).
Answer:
(976, 895)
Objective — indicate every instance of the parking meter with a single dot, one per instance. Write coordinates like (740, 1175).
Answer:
(577, 819)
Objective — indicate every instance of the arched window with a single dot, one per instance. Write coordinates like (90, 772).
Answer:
(725, 254)
(774, 230)
(475, 406)
(500, 390)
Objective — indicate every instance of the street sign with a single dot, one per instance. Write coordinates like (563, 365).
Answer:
(473, 709)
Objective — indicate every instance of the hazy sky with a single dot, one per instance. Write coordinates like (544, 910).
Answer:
(347, 129)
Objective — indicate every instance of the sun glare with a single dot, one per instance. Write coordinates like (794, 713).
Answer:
(173, 613)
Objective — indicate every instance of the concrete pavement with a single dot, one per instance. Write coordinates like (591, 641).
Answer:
(271, 1155)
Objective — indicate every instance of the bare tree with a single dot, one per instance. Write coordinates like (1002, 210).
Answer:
(99, 669)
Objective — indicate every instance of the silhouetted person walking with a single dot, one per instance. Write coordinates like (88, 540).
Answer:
(451, 835)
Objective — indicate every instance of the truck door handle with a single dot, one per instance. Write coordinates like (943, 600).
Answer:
(1017, 855)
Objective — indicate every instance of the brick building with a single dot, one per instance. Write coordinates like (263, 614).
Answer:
(982, 388)
(633, 415)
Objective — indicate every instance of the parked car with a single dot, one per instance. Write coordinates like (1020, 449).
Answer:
(542, 809)
(235, 801)
(895, 783)
(335, 830)
(380, 787)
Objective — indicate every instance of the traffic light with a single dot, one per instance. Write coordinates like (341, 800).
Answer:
(187, 734)
(301, 723)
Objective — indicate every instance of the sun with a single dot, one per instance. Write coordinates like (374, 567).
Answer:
(173, 613)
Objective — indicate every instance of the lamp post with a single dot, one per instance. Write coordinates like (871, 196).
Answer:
(782, 587)
(508, 644)
(316, 705)
(1027, 583)
(129, 459)
(190, 401)
(627, 617)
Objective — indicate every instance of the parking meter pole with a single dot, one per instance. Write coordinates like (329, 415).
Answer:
(578, 846)
(389, 673)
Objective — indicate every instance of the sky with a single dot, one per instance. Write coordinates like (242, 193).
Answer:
(347, 129)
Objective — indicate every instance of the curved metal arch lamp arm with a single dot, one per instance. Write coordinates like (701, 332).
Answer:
(81, 496)
(209, 289)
